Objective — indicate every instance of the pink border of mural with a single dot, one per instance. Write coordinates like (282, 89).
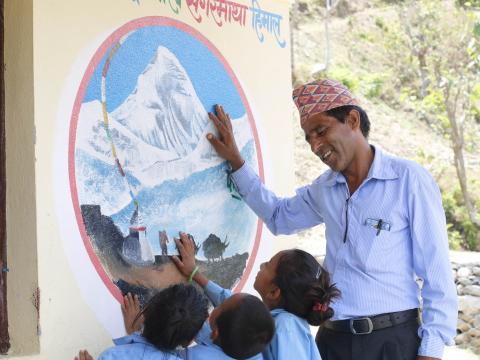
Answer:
(112, 39)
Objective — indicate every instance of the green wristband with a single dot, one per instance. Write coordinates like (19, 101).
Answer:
(193, 274)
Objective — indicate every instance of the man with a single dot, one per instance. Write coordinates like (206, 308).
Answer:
(385, 225)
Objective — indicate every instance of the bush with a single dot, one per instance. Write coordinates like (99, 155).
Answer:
(346, 77)
(469, 3)
(372, 85)
(462, 233)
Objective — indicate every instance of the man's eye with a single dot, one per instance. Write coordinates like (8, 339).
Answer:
(320, 131)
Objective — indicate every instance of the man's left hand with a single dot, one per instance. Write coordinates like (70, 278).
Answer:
(427, 358)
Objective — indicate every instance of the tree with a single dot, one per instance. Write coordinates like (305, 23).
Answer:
(445, 39)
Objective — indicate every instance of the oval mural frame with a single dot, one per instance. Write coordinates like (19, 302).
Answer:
(92, 66)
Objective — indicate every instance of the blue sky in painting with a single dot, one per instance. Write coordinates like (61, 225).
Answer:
(208, 76)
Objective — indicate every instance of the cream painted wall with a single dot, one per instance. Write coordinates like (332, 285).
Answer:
(63, 32)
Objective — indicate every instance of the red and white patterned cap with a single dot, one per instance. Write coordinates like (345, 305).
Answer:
(321, 95)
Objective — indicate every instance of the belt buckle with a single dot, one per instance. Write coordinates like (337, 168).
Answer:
(355, 332)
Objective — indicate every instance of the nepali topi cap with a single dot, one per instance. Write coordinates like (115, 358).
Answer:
(321, 95)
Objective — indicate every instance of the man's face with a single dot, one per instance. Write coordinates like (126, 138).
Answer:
(331, 140)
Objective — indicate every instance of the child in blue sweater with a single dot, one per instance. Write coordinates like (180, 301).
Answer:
(171, 319)
(297, 290)
(293, 286)
(239, 327)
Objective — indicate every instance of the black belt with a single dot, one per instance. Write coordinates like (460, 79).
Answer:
(365, 325)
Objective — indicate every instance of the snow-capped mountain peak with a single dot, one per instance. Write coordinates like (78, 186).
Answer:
(164, 109)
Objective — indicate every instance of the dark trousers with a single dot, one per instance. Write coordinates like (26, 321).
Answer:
(400, 342)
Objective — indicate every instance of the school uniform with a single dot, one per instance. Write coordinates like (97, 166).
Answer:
(136, 346)
(293, 339)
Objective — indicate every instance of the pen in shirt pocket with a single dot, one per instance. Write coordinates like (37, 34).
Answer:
(378, 224)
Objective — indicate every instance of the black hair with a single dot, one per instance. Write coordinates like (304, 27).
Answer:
(174, 316)
(340, 113)
(304, 286)
(246, 329)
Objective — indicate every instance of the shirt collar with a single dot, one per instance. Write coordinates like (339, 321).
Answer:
(380, 169)
(277, 311)
(131, 339)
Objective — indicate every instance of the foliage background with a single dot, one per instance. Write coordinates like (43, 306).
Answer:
(412, 63)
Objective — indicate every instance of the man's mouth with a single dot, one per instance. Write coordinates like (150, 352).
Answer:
(325, 155)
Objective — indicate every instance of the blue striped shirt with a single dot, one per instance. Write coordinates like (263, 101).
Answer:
(375, 270)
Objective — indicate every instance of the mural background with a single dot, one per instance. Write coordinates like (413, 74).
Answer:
(143, 170)
(50, 48)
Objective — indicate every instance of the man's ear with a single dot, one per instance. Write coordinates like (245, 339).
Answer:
(353, 119)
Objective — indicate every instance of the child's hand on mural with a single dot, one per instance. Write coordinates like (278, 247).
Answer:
(186, 248)
(187, 266)
(132, 319)
(225, 144)
(83, 355)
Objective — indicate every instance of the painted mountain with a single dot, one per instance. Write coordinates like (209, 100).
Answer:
(177, 178)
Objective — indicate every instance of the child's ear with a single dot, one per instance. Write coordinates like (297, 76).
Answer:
(214, 334)
(274, 294)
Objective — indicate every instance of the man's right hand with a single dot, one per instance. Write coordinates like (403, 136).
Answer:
(225, 144)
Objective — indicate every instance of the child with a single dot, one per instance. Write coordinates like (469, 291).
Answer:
(239, 327)
(171, 319)
(294, 287)
(83, 355)
(298, 292)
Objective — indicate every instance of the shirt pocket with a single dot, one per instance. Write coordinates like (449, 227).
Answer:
(384, 242)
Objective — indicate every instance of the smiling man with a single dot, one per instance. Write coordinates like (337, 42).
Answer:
(384, 223)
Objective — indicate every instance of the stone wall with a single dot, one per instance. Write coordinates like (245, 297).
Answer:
(467, 280)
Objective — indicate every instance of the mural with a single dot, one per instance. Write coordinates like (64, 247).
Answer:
(141, 169)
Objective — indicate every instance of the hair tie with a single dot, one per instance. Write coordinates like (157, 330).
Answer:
(320, 307)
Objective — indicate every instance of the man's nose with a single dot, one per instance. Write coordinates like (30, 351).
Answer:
(316, 144)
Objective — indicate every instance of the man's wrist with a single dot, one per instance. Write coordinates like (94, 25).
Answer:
(432, 346)
(236, 163)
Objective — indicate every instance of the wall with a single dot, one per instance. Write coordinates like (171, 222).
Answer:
(467, 279)
(48, 47)
(22, 279)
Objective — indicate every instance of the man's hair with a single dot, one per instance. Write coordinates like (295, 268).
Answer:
(174, 316)
(340, 113)
(245, 330)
